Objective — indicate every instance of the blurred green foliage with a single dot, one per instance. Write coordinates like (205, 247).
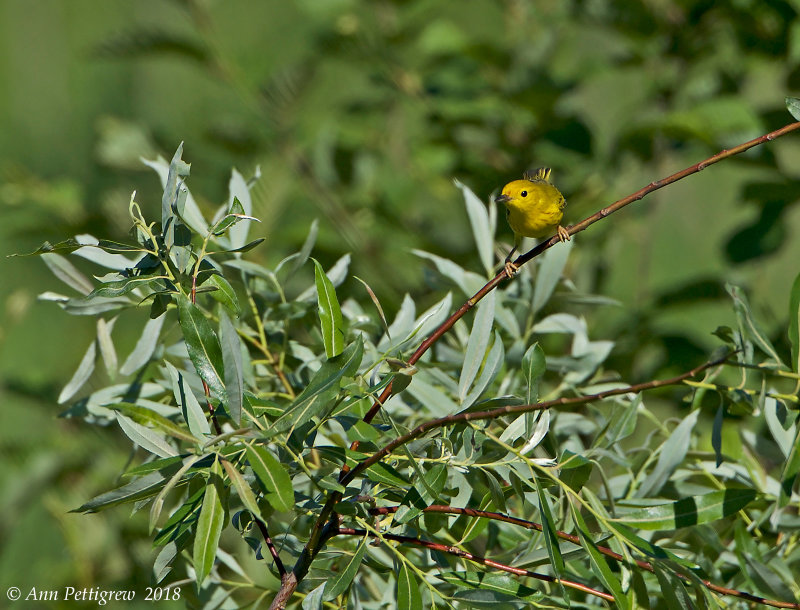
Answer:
(360, 114)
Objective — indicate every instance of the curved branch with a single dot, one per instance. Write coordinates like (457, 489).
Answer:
(452, 550)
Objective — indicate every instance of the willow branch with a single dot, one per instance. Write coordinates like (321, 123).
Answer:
(453, 550)
(271, 546)
(531, 525)
(519, 409)
(312, 546)
(572, 230)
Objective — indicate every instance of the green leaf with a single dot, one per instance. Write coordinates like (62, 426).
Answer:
(148, 417)
(793, 106)
(224, 293)
(598, 563)
(549, 532)
(407, 594)
(249, 245)
(193, 413)
(242, 489)
(794, 317)
(124, 286)
(209, 528)
(202, 345)
(232, 363)
(548, 274)
(240, 194)
(145, 346)
(145, 437)
(748, 324)
(791, 471)
(690, 511)
(330, 315)
(482, 229)
(671, 455)
(477, 344)
(673, 590)
(143, 487)
(498, 583)
(67, 273)
(177, 169)
(533, 367)
(424, 493)
(273, 477)
(319, 392)
(81, 375)
(339, 583)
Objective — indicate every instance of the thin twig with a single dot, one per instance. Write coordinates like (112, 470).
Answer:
(312, 547)
(645, 565)
(519, 409)
(272, 550)
(453, 550)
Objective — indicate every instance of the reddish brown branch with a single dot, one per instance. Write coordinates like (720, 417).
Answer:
(272, 550)
(517, 410)
(645, 565)
(312, 547)
(452, 550)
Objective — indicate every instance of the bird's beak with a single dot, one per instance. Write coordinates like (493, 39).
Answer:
(502, 199)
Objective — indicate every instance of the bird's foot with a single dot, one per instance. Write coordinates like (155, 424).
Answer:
(563, 234)
(511, 269)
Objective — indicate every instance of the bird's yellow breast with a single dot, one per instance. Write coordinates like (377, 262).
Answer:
(534, 208)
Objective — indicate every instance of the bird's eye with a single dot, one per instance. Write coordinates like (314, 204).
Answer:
(524, 193)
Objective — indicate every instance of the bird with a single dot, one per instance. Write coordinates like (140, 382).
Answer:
(534, 208)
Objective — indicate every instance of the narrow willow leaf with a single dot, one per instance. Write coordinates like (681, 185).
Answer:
(143, 487)
(145, 437)
(341, 581)
(224, 293)
(68, 245)
(690, 511)
(193, 413)
(533, 367)
(481, 227)
(672, 453)
(673, 590)
(377, 304)
(791, 471)
(434, 400)
(793, 106)
(549, 532)
(317, 395)
(249, 245)
(242, 488)
(330, 315)
(149, 418)
(794, 319)
(299, 259)
(716, 432)
(498, 583)
(121, 287)
(313, 601)
(232, 365)
(748, 323)
(145, 346)
(209, 528)
(425, 492)
(239, 191)
(781, 424)
(67, 273)
(598, 563)
(158, 502)
(491, 367)
(202, 345)
(107, 351)
(85, 370)
(407, 594)
(162, 565)
(178, 169)
(477, 344)
(548, 274)
(467, 281)
(273, 477)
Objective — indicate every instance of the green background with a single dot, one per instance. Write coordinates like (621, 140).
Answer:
(361, 114)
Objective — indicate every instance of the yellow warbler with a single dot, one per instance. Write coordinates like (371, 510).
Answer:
(534, 208)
